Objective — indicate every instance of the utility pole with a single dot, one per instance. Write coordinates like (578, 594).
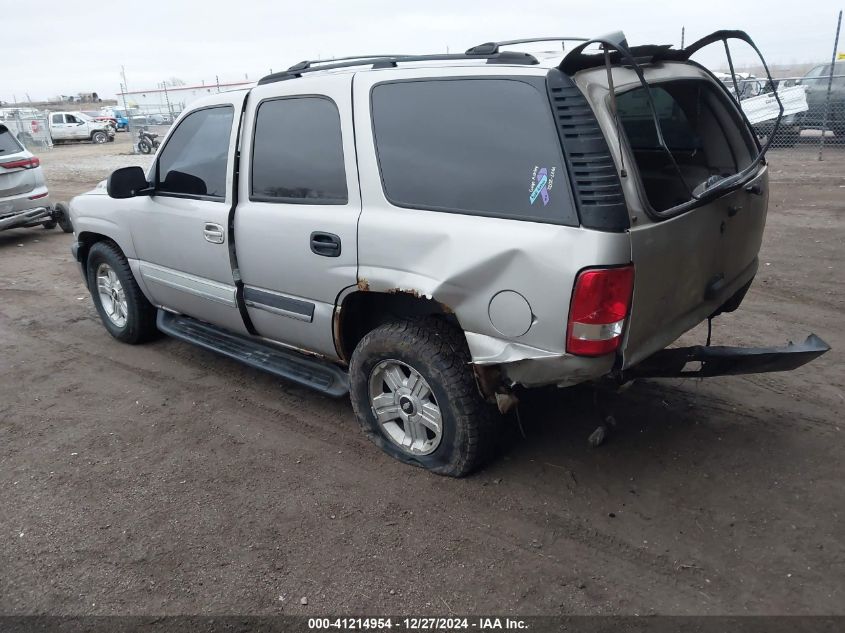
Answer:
(167, 100)
(683, 29)
(128, 118)
(830, 84)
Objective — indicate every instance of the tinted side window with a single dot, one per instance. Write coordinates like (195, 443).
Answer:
(194, 160)
(297, 154)
(475, 146)
(58, 118)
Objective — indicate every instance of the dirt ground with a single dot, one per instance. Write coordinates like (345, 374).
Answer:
(164, 479)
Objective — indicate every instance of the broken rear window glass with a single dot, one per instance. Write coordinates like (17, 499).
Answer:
(702, 129)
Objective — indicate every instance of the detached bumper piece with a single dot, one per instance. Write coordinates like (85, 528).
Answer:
(726, 361)
(29, 217)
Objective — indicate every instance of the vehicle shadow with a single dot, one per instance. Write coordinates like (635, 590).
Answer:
(13, 237)
(644, 425)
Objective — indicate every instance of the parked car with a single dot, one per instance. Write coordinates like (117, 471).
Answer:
(159, 119)
(816, 83)
(24, 198)
(761, 107)
(431, 238)
(76, 126)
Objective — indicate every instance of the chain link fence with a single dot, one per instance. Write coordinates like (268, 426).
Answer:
(814, 106)
(29, 125)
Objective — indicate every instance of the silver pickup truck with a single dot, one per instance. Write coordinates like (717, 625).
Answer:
(430, 234)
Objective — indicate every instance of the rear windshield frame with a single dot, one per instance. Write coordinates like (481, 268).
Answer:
(728, 184)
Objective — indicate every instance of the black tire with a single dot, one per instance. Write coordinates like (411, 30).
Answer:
(63, 217)
(141, 314)
(99, 138)
(144, 147)
(439, 353)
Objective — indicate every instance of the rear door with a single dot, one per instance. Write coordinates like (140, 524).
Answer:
(59, 128)
(297, 216)
(687, 264)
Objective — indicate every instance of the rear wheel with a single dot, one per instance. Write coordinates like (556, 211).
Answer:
(415, 397)
(124, 310)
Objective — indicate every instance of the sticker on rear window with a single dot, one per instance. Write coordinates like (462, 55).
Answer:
(541, 184)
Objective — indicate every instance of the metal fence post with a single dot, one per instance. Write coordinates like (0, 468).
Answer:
(128, 119)
(829, 86)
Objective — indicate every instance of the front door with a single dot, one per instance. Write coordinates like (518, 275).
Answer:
(75, 127)
(296, 222)
(179, 231)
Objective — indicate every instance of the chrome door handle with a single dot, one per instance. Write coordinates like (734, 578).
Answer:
(213, 233)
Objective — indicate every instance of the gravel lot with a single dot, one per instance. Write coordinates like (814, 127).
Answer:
(164, 479)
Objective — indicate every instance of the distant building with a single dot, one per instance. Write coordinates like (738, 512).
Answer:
(173, 99)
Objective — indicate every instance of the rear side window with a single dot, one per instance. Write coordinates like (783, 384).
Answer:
(297, 153)
(194, 160)
(475, 146)
(8, 144)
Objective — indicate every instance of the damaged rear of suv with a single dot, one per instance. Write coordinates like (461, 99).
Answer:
(430, 233)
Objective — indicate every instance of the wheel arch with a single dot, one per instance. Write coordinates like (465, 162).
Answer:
(87, 238)
(361, 311)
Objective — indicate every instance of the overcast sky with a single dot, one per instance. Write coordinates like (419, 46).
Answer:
(54, 47)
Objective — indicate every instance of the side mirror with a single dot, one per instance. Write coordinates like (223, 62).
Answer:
(127, 182)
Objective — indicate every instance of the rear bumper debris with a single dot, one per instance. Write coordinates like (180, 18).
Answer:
(699, 361)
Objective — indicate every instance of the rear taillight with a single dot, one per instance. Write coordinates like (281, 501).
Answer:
(598, 310)
(26, 163)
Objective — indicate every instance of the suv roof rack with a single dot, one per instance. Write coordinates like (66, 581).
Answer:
(391, 61)
(489, 48)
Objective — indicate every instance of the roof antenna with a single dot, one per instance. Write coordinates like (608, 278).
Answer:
(614, 110)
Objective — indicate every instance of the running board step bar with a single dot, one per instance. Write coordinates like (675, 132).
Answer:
(304, 370)
(726, 361)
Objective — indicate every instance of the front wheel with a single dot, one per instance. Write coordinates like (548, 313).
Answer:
(99, 138)
(415, 397)
(144, 147)
(123, 308)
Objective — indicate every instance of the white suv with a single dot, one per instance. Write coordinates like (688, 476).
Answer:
(24, 198)
(432, 234)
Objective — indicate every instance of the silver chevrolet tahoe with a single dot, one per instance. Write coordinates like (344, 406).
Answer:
(431, 234)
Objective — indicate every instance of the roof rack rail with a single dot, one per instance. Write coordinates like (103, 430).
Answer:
(490, 48)
(308, 63)
(391, 61)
